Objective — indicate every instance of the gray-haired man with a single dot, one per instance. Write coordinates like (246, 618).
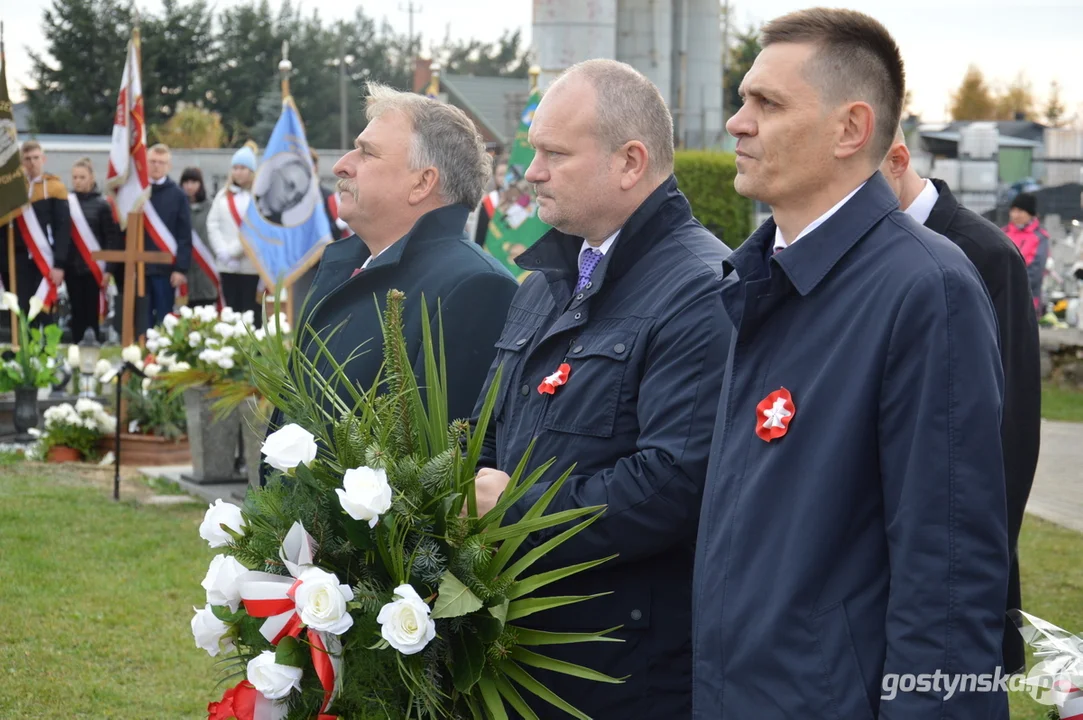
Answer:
(416, 172)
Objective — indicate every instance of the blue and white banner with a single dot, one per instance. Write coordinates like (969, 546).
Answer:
(285, 226)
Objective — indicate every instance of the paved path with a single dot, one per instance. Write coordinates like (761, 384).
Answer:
(1057, 495)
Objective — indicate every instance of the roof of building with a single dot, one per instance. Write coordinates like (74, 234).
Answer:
(1022, 129)
(493, 101)
(71, 143)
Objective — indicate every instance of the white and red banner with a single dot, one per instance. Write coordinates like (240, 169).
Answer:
(128, 153)
(86, 243)
(37, 242)
(84, 239)
(342, 228)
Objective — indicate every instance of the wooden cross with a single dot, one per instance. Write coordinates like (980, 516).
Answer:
(133, 257)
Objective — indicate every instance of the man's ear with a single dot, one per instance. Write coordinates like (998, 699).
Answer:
(426, 185)
(896, 162)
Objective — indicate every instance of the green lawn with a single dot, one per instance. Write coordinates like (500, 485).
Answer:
(1061, 404)
(97, 597)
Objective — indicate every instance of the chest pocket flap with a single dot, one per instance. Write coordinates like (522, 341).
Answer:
(588, 404)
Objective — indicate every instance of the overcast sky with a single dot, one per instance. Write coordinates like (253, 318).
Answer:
(939, 38)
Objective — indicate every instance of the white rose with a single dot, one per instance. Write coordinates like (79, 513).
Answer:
(259, 334)
(152, 346)
(210, 632)
(152, 334)
(228, 352)
(287, 448)
(186, 313)
(10, 302)
(248, 318)
(73, 355)
(102, 368)
(405, 623)
(181, 367)
(210, 356)
(224, 330)
(152, 370)
(321, 601)
(50, 363)
(218, 514)
(132, 354)
(221, 582)
(194, 339)
(225, 363)
(170, 321)
(206, 313)
(166, 360)
(365, 494)
(274, 681)
(228, 315)
(146, 384)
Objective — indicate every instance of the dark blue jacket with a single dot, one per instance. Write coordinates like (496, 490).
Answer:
(646, 342)
(172, 206)
(871, 538)
(434, 259)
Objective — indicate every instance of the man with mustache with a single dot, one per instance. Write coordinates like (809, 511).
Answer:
(415, 173)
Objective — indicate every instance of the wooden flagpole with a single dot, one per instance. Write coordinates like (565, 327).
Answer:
(14, 284)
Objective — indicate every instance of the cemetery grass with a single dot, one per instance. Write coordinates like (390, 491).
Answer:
(97, 597)
(1049, 561)
(1061, 404)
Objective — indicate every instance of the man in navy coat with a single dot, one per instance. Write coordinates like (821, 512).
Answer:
(625, 293)
(406, 188)
(853, 527)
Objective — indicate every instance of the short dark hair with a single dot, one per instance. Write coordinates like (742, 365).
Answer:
(856, 58)
(194, 173)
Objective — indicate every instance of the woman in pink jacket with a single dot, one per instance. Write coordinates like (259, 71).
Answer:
(1031, 239)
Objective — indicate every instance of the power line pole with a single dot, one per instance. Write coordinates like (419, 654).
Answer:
(342, 126)
(725, 51)
(410, 9)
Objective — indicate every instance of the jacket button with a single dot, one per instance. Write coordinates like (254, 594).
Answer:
(637, 615)
(588, 285)
(520, 341)
(577, 349)
(618, 348)
(525, 389)
(578, 315)
(579, 296)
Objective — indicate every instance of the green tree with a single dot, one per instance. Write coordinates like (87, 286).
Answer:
(742, 53)
(190, 127)
(1054, 108)
(973, 100)
(76, 80)
(506, 57)
(174, 66)
(243, 63)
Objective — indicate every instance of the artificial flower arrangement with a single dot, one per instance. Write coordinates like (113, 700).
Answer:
(36, 362)
(361, 582)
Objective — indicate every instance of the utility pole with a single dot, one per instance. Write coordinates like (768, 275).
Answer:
(342, 124)
(410, 9)
(725, 51)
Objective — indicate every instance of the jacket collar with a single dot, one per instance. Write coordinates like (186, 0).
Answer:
(808, 262)
(944, 210)
(439, 224)
(556, 254)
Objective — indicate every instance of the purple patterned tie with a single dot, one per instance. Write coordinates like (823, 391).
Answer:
(587, 262)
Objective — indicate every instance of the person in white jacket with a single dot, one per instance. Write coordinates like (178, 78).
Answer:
(240, 279)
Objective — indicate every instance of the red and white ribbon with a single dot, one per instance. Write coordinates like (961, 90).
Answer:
(270, 596)
(164, 240)
(37, 242)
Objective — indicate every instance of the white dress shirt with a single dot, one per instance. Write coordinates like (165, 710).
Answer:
(603, 248)
(781, 244)
(922, 207)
